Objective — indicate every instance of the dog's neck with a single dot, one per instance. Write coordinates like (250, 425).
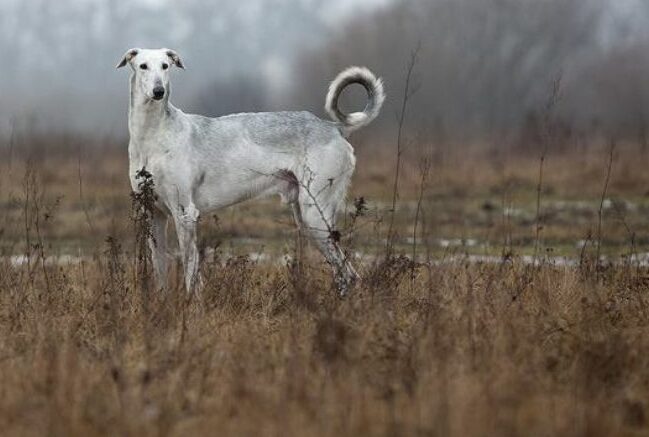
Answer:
(145, 116)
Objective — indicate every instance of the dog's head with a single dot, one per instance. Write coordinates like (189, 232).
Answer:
(151, 69)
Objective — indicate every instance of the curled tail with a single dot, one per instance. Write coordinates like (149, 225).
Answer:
(375, 94)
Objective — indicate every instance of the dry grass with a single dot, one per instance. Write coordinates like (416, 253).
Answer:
(474, 194)
(458, 350)
(454, 348)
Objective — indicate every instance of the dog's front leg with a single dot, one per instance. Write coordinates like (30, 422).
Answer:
(186, 221)
(158, 246)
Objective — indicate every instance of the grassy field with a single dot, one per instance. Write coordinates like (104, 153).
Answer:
(474, 201)
(443, 345)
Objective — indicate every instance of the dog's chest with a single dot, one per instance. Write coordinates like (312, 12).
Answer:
(160, 164)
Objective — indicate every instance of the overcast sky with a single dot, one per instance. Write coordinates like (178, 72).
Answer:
(63, 52)
(59, 55)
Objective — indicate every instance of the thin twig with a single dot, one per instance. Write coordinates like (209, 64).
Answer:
(424, 172)
(632, 237)
(81, 197)
(548, 136)
(408, 92)
(600, 211)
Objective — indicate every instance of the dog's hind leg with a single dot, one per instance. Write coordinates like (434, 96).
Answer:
(317, 212)
(186, 221)
(158, 246)
(326, 239)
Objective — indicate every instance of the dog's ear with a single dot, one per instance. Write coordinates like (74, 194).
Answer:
(175, 58)
(130, 54)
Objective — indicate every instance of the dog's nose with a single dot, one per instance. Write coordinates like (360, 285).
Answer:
(158, 92)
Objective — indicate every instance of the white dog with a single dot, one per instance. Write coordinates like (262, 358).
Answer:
(201, 164)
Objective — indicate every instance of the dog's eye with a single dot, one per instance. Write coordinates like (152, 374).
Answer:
(165, 66)
(143, 66)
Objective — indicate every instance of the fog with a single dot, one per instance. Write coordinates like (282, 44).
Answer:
(60, 56)
(484, 66)
(487, 68)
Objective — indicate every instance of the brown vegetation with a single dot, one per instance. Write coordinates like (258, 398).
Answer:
(460, 350)
(444, 346)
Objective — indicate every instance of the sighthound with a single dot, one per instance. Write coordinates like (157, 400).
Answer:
(201, 164)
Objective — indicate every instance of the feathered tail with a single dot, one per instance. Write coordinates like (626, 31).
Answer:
(375, 93)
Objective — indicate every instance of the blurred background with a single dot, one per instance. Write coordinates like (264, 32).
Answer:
(485, 67)
(496, 85)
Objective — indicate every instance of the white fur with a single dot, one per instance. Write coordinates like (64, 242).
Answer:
(374, 87)
(201, 164)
